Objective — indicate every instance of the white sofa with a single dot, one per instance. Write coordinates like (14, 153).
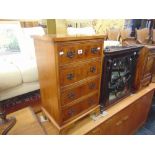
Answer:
(18, 75)
(18, 72)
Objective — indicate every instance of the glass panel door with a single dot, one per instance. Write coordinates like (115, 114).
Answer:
(120, 78)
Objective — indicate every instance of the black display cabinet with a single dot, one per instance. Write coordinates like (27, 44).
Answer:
(118, 72)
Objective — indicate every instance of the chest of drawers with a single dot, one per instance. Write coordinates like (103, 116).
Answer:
(69, 74)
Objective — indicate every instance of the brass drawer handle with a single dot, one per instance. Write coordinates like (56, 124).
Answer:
(93, 69)
(71, 95)
(118, 123)
(71, 112)
(95, 50)
(92, 85)
(70, 54)
(70, 76)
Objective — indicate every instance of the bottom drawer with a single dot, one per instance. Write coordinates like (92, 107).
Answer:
(80, 107)
(146, 81)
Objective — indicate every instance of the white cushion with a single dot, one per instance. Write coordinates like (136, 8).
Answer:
(28, 69)
(111, 43)
(10, 76)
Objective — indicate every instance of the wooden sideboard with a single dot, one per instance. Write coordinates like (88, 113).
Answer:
(69, 75)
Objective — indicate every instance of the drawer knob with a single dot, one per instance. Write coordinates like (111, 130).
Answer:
(70, 76)
(71, 95)
(71, 112)
(70, 54)
(92, 85)
(93, 69)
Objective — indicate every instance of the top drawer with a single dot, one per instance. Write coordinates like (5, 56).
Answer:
(75, 51)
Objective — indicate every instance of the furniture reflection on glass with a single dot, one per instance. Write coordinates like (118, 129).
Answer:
(118, 74)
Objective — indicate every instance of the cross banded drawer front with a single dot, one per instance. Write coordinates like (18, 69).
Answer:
(76, 52)
(80, 107)
(93, 68)
(79, 91)
(77, 73)
(71, 75)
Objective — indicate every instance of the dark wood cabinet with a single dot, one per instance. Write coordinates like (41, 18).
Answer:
(69, 75)
(118, 74)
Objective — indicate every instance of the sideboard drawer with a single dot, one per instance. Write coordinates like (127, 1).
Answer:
(80, 107)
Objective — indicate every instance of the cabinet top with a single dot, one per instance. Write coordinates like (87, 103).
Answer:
(63, 38)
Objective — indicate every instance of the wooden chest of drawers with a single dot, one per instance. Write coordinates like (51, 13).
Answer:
(69, 75)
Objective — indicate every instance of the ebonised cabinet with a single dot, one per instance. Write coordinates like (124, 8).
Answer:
(118, 74)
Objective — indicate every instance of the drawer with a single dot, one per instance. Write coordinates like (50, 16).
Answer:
(73, 74)
(78, 51)
(146, 81)
(93, 68)
(80, 107)
(79, 91)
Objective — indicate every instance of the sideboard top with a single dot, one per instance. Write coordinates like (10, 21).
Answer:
(62, 38)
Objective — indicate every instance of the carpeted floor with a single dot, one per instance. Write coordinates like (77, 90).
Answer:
(149, 126)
